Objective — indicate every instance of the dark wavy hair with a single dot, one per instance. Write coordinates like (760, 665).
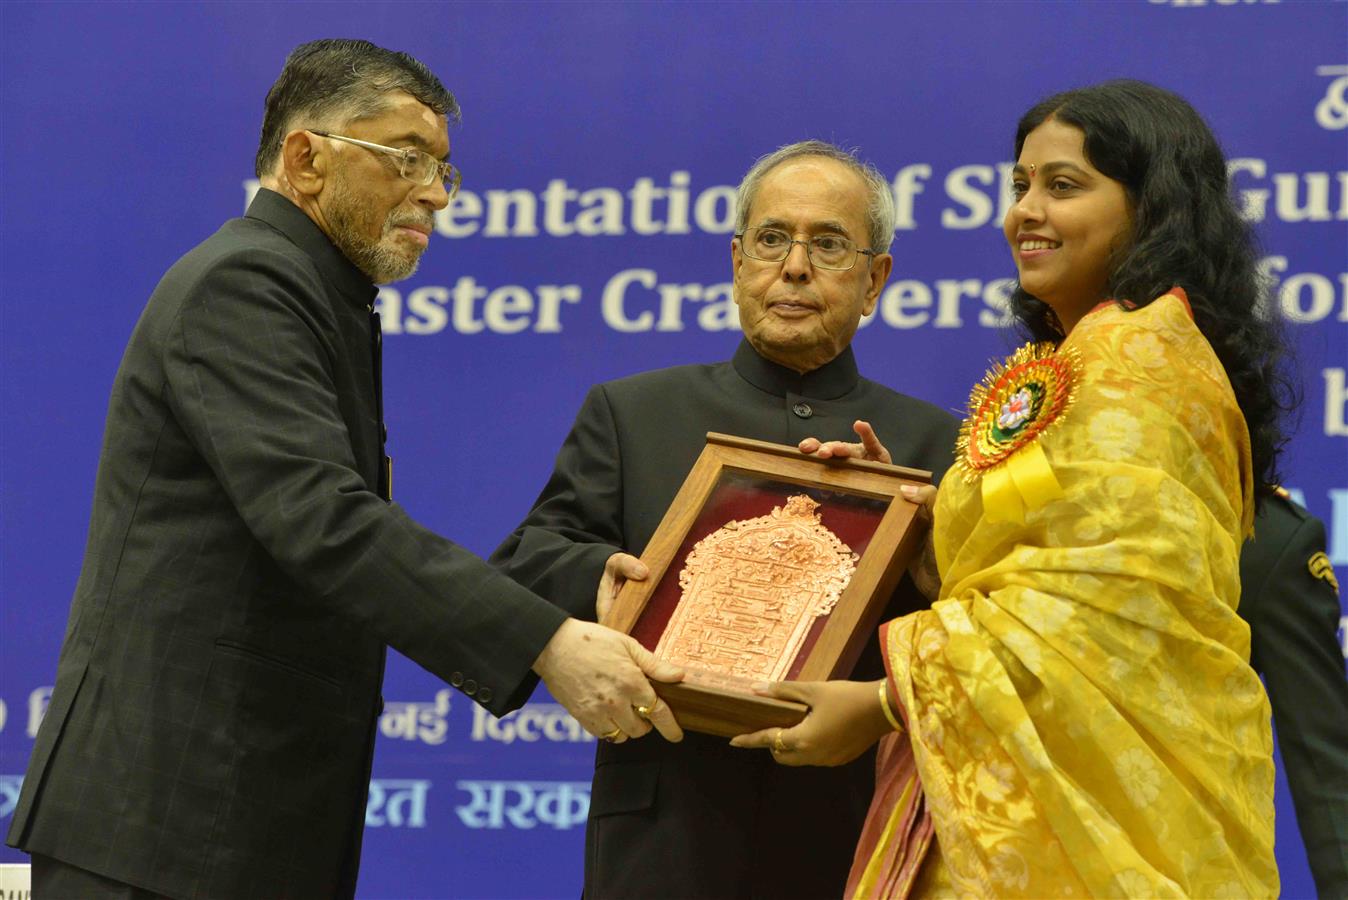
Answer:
(1186, 232)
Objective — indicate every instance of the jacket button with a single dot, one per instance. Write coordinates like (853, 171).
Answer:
(456, 679)
(484, 694)
(803, 410)
(470, 687)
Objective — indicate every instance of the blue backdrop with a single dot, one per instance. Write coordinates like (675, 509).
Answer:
(599, 144)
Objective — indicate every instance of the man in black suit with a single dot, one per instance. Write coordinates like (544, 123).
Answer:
(211, 729)
(703, 819)
(1289, 596)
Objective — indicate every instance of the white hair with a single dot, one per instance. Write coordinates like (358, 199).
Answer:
(880, 205)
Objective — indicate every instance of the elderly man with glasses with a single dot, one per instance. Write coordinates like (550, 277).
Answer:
(212, 724)
(810, 258)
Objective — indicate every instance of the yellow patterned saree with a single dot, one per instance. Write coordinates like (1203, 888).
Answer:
(1080, 713)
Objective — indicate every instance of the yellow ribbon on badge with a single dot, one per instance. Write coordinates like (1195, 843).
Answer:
(1023, 481)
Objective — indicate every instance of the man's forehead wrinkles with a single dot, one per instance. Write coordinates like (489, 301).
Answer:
(404, 122)
(813, 196)
(804, 223)
(416, 140)
(409, 137)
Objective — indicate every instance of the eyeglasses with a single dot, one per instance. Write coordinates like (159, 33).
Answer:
(826, 251)
(416, 166)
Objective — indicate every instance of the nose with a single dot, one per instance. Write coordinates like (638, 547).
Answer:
(796, 267)
(1028, 208)
(433, 196)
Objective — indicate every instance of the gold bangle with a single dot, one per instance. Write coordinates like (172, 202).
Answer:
(884, 705)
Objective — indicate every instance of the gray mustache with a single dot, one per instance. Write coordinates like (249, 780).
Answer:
(427, 222)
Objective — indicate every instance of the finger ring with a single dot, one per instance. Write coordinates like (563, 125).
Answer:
(643, 710)
(611, 736)
(777, 745)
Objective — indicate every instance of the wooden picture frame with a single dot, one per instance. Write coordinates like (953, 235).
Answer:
(858, 497)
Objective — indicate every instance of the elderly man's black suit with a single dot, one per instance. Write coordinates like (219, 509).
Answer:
(212, 724)
(700, 818)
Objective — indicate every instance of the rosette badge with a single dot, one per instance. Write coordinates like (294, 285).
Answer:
(1008, 411)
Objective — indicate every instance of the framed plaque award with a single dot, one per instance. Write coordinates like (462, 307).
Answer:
(768, 566)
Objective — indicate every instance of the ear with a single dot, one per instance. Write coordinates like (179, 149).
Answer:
(304, 162)
(736, 260)
(880, 268)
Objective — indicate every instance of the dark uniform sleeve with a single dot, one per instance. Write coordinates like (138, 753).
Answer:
(249, 380)
(559, 550)
(1294, 615)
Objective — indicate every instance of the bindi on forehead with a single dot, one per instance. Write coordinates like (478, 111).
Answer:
(1049, 168)
(1053, 140)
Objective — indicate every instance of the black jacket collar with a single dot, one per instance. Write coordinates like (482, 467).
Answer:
(828, 382)
(290, 220)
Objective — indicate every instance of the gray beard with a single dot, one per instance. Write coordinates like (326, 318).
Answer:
(379, 263)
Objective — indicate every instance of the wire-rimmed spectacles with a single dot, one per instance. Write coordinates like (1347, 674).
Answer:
(417, 166)
(826, 251)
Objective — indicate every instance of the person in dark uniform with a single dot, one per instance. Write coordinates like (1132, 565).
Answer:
(1289, 596)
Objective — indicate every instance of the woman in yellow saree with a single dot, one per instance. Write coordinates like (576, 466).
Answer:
(1075, 715)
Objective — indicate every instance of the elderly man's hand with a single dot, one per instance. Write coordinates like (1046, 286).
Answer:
(869, 448)
(600, 676)
(618, 570)
(923, 569)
